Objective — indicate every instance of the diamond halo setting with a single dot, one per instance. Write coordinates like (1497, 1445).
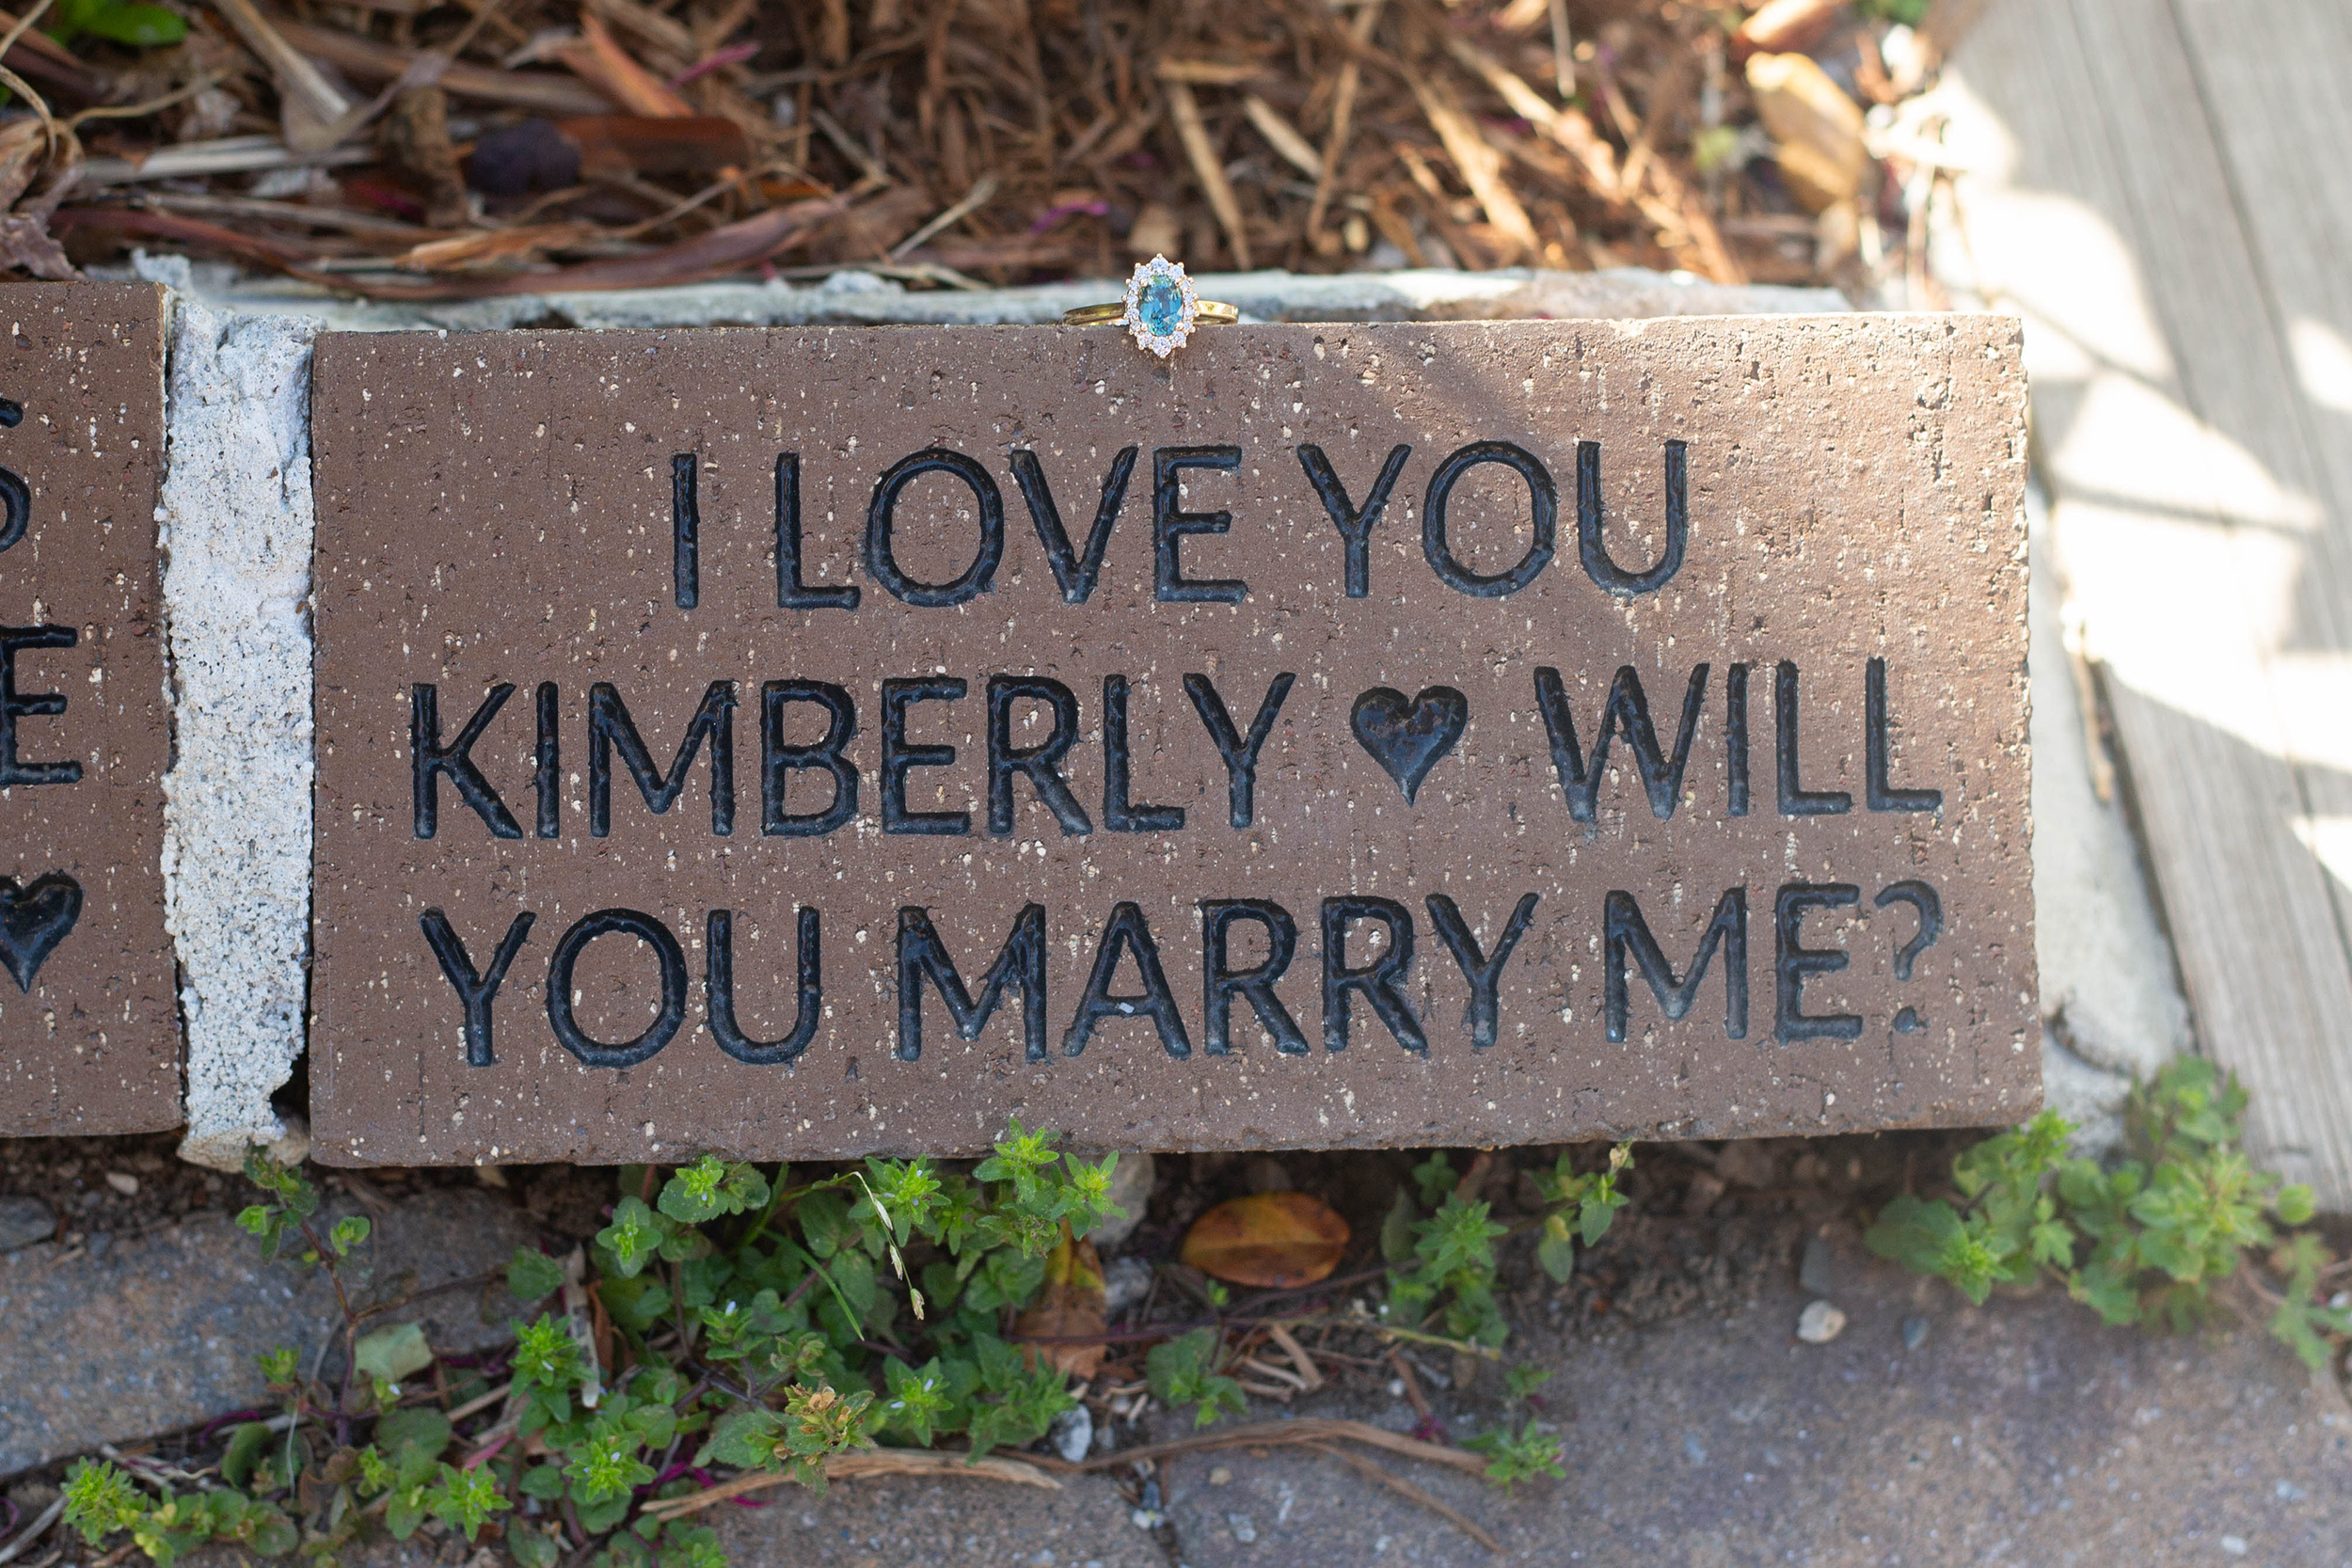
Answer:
(1162, 307)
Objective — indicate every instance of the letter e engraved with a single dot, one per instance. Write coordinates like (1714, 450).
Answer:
(1627, 713)
(475, 991)
(1020, 964)
(1074, 573)
(1355, 526)
(429, 759)
(1240, 755)
(1542, 497)
(899, 757)
(1041, 764)
(611, 728)
(654, 934)
(882, 562)
(1222, 982)
(15, 706)
(1481, 1019)
(1125, 932)
(1629, 933)
(1381, 982)
(1793, 963)
(1170, 524)
(719, 994)
(1594, 550)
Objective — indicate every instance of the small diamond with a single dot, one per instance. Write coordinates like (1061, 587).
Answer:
(1160, 306)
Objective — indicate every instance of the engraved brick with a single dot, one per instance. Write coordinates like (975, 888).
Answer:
(88, 1030)
(548, 563)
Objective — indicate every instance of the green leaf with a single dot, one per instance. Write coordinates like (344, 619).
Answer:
(1396, 1230)
(141, 27)
(825, 1223)
(348, 1232)
(746, 1439)
(393, 1354)
(99, 1499)
(532, 1275)
(464, 1499)
(1556, 1252)
(544, 1482)
(1183, 1372)
(246, 1445)
(533, 1549)
(2295, 1204)
(633, 1237)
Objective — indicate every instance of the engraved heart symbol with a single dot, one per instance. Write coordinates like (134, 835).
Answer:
(33, 920)
(1407, 738)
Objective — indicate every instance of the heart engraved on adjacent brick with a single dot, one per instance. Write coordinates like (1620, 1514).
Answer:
(1408, 736)
(33, 920)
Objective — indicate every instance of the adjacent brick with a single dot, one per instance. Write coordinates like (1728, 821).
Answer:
(88, 1030)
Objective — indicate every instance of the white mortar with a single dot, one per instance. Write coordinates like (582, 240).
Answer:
(235, 533)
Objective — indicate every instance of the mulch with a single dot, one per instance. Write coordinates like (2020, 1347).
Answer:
(416, 149)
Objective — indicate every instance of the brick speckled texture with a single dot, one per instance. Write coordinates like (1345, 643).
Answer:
(89, 1033)
(500, 512)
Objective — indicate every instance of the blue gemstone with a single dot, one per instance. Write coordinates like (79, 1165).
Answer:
(1161, 306)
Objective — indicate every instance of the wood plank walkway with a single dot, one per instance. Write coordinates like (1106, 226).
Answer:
(2170, 211)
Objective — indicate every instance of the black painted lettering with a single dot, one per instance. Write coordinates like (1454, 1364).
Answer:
(654, 934)
(1626, 713)
(428, 758)
(1170, 524)
(883, 563)
(15, 495)
(610, 729)
(686, 528)
(1879, 792)
(1354, 525)
(897, 756)
(1736, 741)
(793, 592)
(779, 759)
(1040, 763)
(1593, 549)
(1627, 933)
(1544, 500)
(1240, 754)
(475, 991)
(15, 706)
(719, 994)
(1222, 982)
(1481, 1018)
(1125, 933)
(1381, 982)
(547, 773)
(1795, 800)
(1074, 573)
(1793, 962)
(1121, 814)
(1020, 966)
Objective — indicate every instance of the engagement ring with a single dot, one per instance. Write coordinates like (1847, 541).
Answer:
(1160, 310)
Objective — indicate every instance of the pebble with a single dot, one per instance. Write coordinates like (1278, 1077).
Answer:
(2235, 1545)
(1072, 1433)
(25, 1221)
(1244, 1530)
(124, 1182)
(1820, 1322)
(1125, 1282)
(1915, 1333)
(1223, 1476)
(1818, 1273)
(1265, 1173)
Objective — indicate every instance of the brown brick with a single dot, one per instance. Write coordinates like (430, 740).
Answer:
(498, 509)
(89, 1036)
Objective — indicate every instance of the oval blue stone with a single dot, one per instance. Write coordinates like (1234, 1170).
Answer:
(1160, 307)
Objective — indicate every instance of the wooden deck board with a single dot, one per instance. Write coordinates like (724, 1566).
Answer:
(2199, 523)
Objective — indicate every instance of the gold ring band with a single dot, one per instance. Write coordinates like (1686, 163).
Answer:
(1116, 310)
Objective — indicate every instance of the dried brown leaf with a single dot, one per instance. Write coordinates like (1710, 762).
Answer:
(1272, 1240)
(1072, 1304)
